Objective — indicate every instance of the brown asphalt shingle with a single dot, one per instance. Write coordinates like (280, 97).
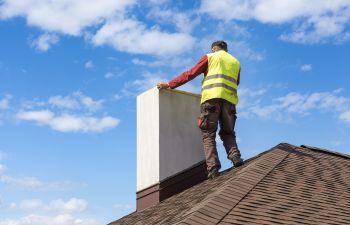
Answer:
(285, 185)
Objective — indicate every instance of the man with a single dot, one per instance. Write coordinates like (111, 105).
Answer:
(218, 103)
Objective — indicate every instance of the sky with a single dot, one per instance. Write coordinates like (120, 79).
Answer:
(70, 72)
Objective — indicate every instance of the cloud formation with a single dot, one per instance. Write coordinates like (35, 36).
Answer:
(293, 103)
(63, 16)
(89, 65)
(184, 22)
(313, 21)
(32, 183)
(35, 184)
(345, 116)
(55, 212)
(76, 100)
(106, 23)
(5, 101)
(73, 205)
(306, 67)
(148, 81)
(132, 36)
(72, 113)
(68, 122)
(44, 42)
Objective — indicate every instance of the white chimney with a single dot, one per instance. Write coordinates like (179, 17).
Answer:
(170, 155)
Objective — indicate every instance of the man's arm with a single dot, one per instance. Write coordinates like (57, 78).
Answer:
(199, 68)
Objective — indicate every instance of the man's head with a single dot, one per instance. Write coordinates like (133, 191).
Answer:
(218, 45)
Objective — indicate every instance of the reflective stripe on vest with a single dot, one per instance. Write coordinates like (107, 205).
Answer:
(221, 76)
(209, 86)
(221, 79)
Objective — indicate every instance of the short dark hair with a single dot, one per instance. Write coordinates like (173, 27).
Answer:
(220, 44)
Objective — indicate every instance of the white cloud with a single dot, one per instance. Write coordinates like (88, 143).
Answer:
(63, 16)
(12, 205)
(31, 204)
(4, 102)
(313, 21)
(246, 92)
(39, 212)
(148, 81)
(249, 97)
(76, 100)
(2, 169)
(30, 104)
(345, 116)
(69, 123)
(184, 21)
(132, 36)
(44, 42)
(42, 117)
(89, 64)
(242, 49)
(299, 103)
(55, 212)
(75, 112)
(73, 205)
(306, 67)
(117, 97)
(293, 103)
(34, 184)
(64, 102)
(109, 75)
(140, 62)
(108, 17)
(174, 62)
(58, 219)
(88, 102)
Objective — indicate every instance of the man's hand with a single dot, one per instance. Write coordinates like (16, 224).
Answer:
(162, 85)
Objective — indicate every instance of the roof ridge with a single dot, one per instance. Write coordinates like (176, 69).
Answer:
(228, 195)
(327, 151)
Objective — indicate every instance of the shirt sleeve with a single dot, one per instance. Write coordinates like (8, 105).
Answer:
(199, 68)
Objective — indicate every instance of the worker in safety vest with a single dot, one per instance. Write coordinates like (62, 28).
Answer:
(218, 103)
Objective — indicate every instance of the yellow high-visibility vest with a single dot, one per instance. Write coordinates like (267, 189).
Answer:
(221, 79)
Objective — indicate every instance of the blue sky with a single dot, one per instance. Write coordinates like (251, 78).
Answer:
(70, 72)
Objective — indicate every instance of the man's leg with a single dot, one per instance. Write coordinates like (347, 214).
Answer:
(227, 134)
(208, 122)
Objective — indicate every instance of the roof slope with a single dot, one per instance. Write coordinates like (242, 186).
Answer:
(284, 185)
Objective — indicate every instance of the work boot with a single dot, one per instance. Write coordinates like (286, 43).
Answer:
(237, 161)
(213, 173)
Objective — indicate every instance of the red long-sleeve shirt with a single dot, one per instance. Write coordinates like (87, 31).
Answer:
(199, 68)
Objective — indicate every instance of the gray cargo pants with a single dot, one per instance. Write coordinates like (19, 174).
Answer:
(212, 112)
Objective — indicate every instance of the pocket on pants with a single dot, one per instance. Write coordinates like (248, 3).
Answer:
(206, 121)
(203, 122)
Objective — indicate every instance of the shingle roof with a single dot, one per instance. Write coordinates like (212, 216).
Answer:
(284, 185)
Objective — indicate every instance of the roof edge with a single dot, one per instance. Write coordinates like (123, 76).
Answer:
(323, 150)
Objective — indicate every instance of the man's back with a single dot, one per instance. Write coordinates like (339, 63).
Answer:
(221, 79)
(223, 60)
